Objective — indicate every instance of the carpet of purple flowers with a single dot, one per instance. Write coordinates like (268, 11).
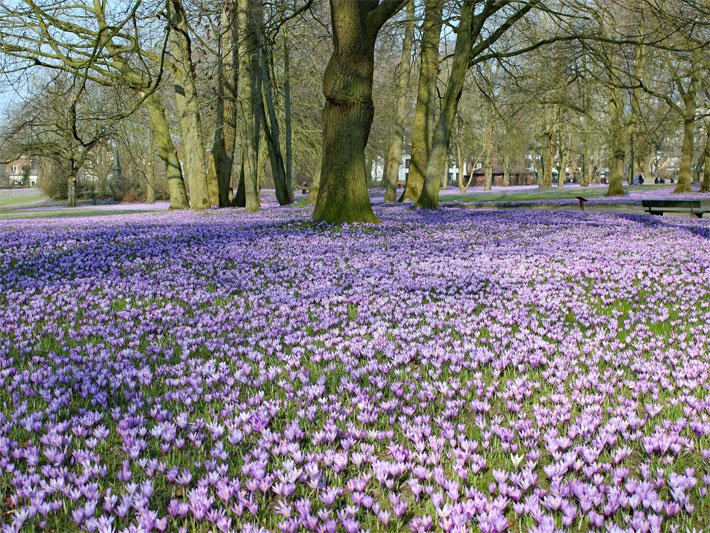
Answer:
(455, 371)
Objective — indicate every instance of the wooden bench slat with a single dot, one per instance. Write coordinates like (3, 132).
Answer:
(671, 203)
(658, 207)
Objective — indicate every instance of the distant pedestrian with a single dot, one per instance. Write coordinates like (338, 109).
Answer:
(303, 187)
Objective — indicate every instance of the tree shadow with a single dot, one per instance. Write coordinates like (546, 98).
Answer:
(655, 221)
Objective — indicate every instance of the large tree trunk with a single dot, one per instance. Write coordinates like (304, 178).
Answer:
(506, 172)
(71, 188)
(444, 180)
(315, 186)
(262, 151)
(488, 176)
(424, 112)
(249, 98)
(240, 198)
(348, 113)
(394, 156)
(167, 152)
(188, 108)
(616, 173)
(686, 155)
(429, 197)
(225, 133)
(617, 146)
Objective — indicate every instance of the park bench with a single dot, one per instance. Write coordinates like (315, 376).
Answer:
(658, 207)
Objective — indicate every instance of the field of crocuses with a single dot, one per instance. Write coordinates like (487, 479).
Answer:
(452, 371)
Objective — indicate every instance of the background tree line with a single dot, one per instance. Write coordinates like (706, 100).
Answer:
(208, 102)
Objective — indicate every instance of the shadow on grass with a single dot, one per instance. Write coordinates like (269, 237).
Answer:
(655, 221)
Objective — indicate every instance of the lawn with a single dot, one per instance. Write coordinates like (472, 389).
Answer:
(67, 213)
(459, 370)
(17, 197)
(534, 194)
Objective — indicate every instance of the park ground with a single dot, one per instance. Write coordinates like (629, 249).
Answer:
(511, 364)
(32, 203)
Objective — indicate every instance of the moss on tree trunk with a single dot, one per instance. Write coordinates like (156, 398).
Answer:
(167, 153)
(348, 113)
(686, 154)
(424, 112)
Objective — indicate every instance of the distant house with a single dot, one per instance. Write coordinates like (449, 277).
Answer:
(518, 176)
(22, 172)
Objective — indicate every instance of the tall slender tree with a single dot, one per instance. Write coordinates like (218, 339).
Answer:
(394, 155)
(425, 110)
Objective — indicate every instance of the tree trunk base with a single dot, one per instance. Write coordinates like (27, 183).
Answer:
(427, 201)
(615, 190)
(682, 187)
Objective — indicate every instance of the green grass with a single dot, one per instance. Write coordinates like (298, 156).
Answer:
(545, 194)
(61, 213)
(9, 199)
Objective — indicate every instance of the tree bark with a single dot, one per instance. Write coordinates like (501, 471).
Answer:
(188, 108)
(429, 197)
(349, 109)
(617, 146)
(551, 137)
(150, 175)
(315, 186)
(562, 172)
(488, 177)
(705, 187)
(584, 179)
(460, 162)
(424, 112)
(284, 192)
(249, 96)
(444, 179)
(394, 155)
(240, 198)
(686, 154)
(71, 190)
(287, 117)
(167, 152)
(225, 134)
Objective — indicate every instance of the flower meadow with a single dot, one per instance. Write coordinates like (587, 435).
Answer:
(450, 371)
